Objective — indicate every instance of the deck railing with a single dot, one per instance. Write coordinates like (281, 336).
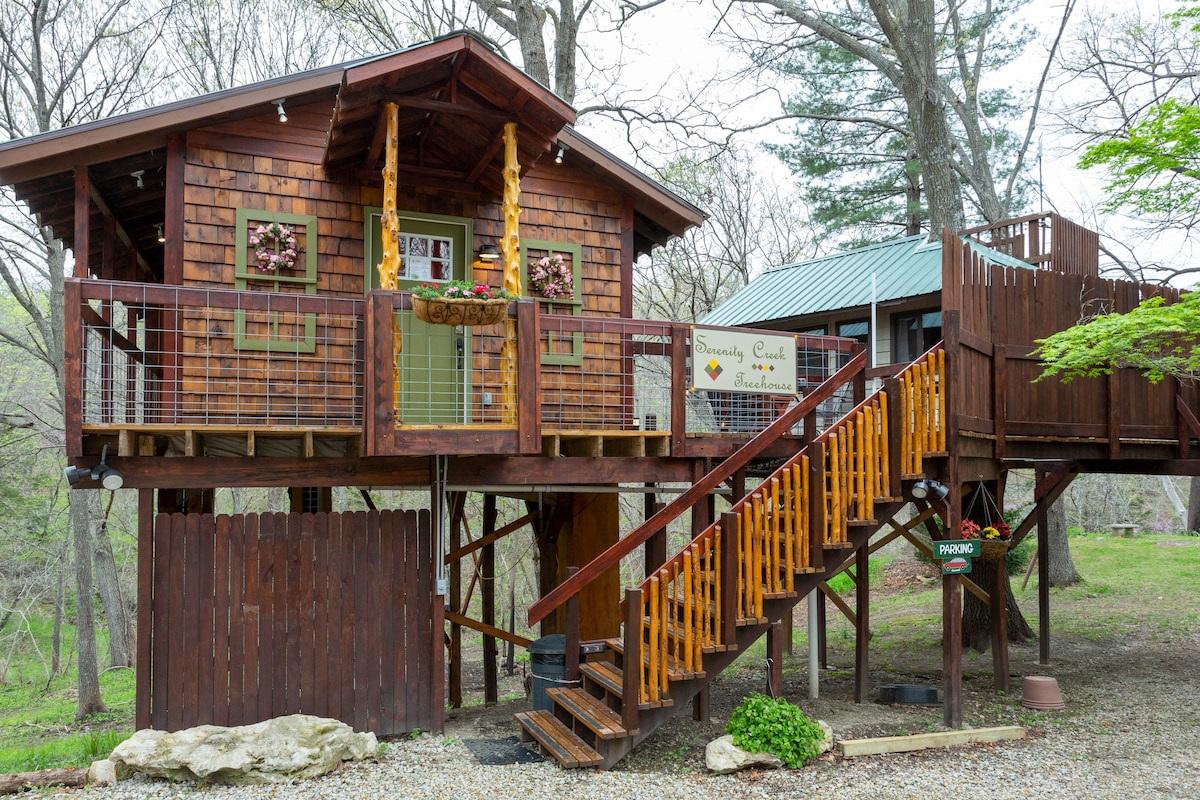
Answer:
(169, 355)
(163, 356)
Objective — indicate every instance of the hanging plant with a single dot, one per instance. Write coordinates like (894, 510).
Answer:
(274, 246)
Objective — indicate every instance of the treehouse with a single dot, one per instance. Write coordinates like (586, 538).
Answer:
(244, 310)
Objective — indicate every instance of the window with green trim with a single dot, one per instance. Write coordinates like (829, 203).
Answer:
(269, 267)
(558, 348)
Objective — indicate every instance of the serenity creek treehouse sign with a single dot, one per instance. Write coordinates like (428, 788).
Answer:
(734, 361)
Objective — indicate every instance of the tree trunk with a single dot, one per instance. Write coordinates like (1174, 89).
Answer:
(60, 596)
(977, 616)
(1193, 516)
(1061, 565)
(83, 511)
(120, 649)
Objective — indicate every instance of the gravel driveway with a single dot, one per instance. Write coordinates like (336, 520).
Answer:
(1131, 730)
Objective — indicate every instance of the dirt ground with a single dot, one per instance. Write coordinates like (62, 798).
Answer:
(1088, 668)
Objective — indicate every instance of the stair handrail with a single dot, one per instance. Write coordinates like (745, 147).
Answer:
(701, 488)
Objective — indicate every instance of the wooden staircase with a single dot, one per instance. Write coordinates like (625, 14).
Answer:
(694, 615)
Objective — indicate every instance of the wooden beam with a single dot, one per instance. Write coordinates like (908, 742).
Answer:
(491, 538)
(489, 630)
(924, 741)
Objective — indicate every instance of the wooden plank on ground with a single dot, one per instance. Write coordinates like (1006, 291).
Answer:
(924, 741)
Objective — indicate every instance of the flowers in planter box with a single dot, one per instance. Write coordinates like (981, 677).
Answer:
(551, 276)
(461, 290)
(274, 246)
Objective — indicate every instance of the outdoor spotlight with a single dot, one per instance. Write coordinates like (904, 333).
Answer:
(562, 149)
(488, 252)
(926, 488)
(162, 237)
(279, 107)
(109, 478)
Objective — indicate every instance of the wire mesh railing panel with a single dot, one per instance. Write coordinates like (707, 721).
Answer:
(604, 373)
(180, 355)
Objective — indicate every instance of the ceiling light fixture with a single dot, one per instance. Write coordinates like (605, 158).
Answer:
(488, 252)
(162, 237)
(137, 176)
(279, 107)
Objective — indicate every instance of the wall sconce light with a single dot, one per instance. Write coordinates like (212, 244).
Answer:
(162, 237)
(927, 488)
(279, 107)
(109, 478)
(488, 252)
(562, 149)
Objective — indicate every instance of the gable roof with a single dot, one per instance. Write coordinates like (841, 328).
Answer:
(902, 268)
(455, 95)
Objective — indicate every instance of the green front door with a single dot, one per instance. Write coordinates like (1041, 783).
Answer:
(434, 360)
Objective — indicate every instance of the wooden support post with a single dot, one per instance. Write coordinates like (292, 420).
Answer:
(679, 384)
(816, 506)
(572, 634)
(145, 608)
(529, 378)
(487, 594)
(656, 546)
(701, 518)
(454, 600)
(729, 578)
(702, 705)
(895, 439)
(1043, 557)
(952, 706)
(775, 659)
(999, 614)
(631, 661)
(862, 627)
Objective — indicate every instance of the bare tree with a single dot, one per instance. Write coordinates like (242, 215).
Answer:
(934, 59)
(65, 63)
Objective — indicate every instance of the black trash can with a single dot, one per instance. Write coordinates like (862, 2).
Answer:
(548, 665)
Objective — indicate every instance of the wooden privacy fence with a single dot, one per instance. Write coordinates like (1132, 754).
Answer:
(257, 616)
(1002, 311)
(722, 579)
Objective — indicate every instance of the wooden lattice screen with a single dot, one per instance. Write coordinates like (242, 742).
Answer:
(256, 616)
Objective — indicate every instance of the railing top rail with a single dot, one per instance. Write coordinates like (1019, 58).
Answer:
(613, 555)
(199, 297)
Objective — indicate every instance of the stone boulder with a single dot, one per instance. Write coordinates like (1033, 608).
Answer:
(722, 756)
(276, 751)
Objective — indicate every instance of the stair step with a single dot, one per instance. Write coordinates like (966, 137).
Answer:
(591, 711)
(674, 673)
(557, 740)
(610, 678)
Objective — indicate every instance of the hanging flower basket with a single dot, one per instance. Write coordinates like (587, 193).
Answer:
(994, 548)
(459, 311)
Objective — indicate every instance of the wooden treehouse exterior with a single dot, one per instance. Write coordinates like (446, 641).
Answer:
(240, 314)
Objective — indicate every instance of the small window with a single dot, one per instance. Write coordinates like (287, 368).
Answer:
(257, 266)
(913, 334)
(859, 329)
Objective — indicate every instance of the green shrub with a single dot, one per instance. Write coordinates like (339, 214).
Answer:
(773, 725)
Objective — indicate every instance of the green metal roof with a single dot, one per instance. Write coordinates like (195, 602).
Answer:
(907, 267)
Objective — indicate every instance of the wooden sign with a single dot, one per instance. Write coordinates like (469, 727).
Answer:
(953, 548)
(735, 361)
(956, 566)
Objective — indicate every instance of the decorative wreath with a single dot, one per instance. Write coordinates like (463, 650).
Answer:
(274, 246)
(551, 276)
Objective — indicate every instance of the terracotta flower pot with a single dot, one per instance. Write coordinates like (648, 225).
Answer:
(458, 311)
(1042, 693)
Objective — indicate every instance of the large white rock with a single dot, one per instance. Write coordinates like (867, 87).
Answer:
(275, 751)
(722, 756)
(102, 773)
